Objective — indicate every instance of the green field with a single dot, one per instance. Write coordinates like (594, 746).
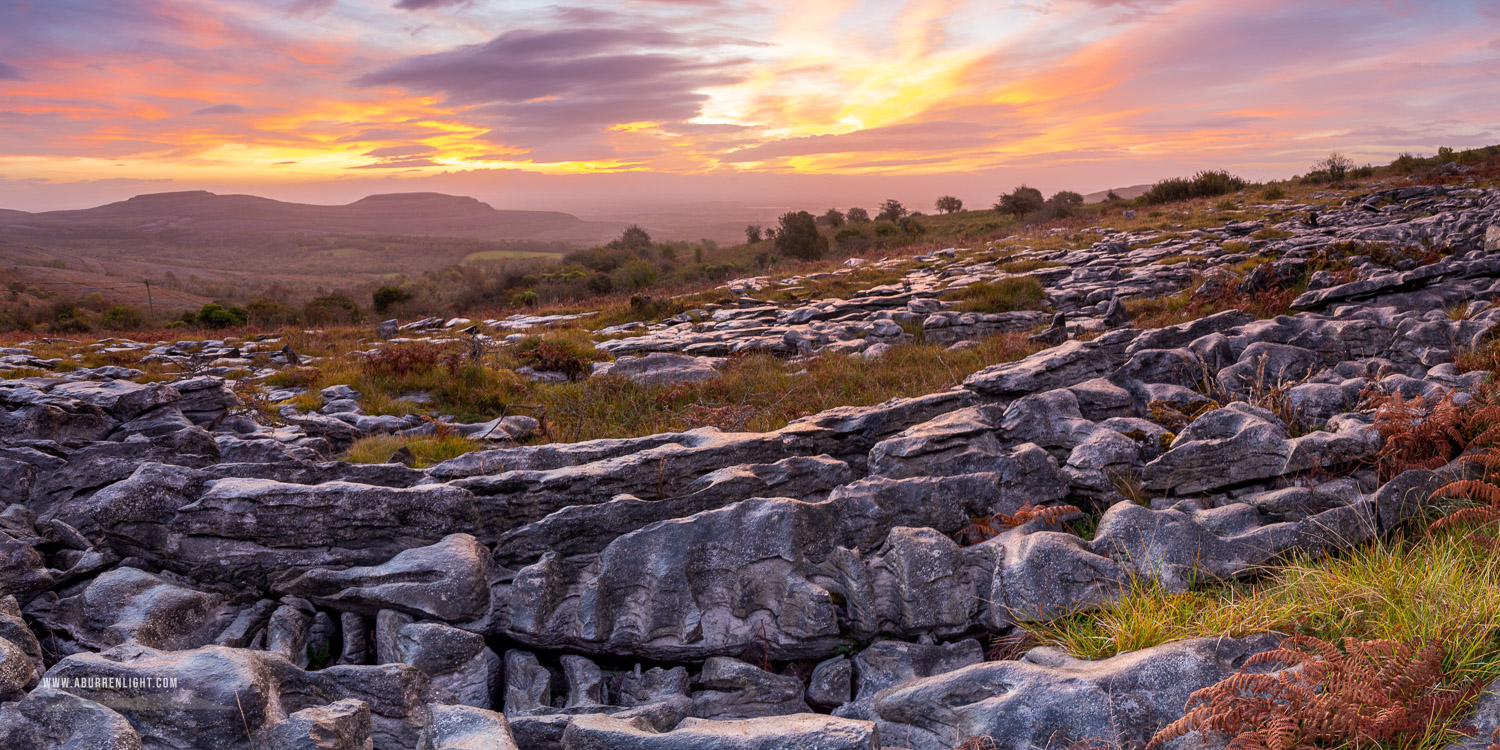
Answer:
(485, 255)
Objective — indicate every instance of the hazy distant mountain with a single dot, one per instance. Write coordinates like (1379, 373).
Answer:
(208, 215)
(1128, 193)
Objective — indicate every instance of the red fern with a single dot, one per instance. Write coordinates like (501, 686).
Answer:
(1423, 432)
(1366, 693)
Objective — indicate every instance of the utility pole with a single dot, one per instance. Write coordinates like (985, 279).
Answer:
(150, 301)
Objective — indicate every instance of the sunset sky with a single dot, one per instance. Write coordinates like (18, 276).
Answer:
(573, 105)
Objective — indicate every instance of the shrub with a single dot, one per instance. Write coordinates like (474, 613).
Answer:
(634, 239)
(891, 210)
(858, 215)
(332, 308)
(1272, 192)
(404, 360)
(1064, 203)
(1021, 201)
(524, 298)
(387, 296)
(265, 312)
(215, 315)
(911, 227)
(832, 217)
(1004, 295)
(949, 204)
(1201, 185)
(569, 355)
(852, 240)
(798, 237)
(637, 274)
(122, 318)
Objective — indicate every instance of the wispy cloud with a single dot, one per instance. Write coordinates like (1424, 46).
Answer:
(213, 90)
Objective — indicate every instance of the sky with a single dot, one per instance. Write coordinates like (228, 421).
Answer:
(585, 106)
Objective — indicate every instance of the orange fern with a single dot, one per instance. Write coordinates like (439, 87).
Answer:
(1366, 692)
(1485, 490)
(1423, 432)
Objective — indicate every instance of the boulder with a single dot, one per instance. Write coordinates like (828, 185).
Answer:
(660, 368)
(254, 689)
(1060, 366)
(446, 581)
(795, 732)
(1049, 699)
(341, 725)
(468, 728)
(462, 670)
(50, 719)
(733, 689)
(1222, 448)
(251, 531)
(125, 604)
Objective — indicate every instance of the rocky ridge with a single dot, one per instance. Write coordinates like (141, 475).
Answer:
(788, 589)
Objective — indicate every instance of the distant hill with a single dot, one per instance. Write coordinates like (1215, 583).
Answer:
(1128, 193)
(246, 239)
(207, 214)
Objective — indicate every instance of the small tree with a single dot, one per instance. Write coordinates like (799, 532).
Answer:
(387, 296)
(832, 217)
(911, 226)
(331, 308)
(949, 204)
(263, 311)
(798, 237)
(858, 215)
(215, 315)
(753, 234)
(634, 239)
(1336, 165)
(636, 275)
(1065, 203)
(1021, 201)
(891, 210)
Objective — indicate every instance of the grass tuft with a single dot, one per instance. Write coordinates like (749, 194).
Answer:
(1003, 295)
(428, 450)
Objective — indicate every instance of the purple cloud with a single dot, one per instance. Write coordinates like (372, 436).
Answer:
(391, 152)
(221, 109)
(10, 72)
(920, 136)
(547, 88)
(398, 164)
(426, 4)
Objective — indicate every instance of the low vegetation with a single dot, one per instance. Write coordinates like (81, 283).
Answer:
(1003, 295)
(422, 451)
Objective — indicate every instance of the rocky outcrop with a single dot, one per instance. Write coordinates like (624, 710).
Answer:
(710, 589)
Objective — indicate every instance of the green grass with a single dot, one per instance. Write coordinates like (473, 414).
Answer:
(485, 255)
(1003, 295)
(755, 392)
(1432, 587)
(1271, 234)
(377, 449)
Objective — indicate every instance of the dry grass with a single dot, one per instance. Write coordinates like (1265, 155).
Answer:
(426, 451)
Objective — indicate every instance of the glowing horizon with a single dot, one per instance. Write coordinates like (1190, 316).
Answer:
(291, 97)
